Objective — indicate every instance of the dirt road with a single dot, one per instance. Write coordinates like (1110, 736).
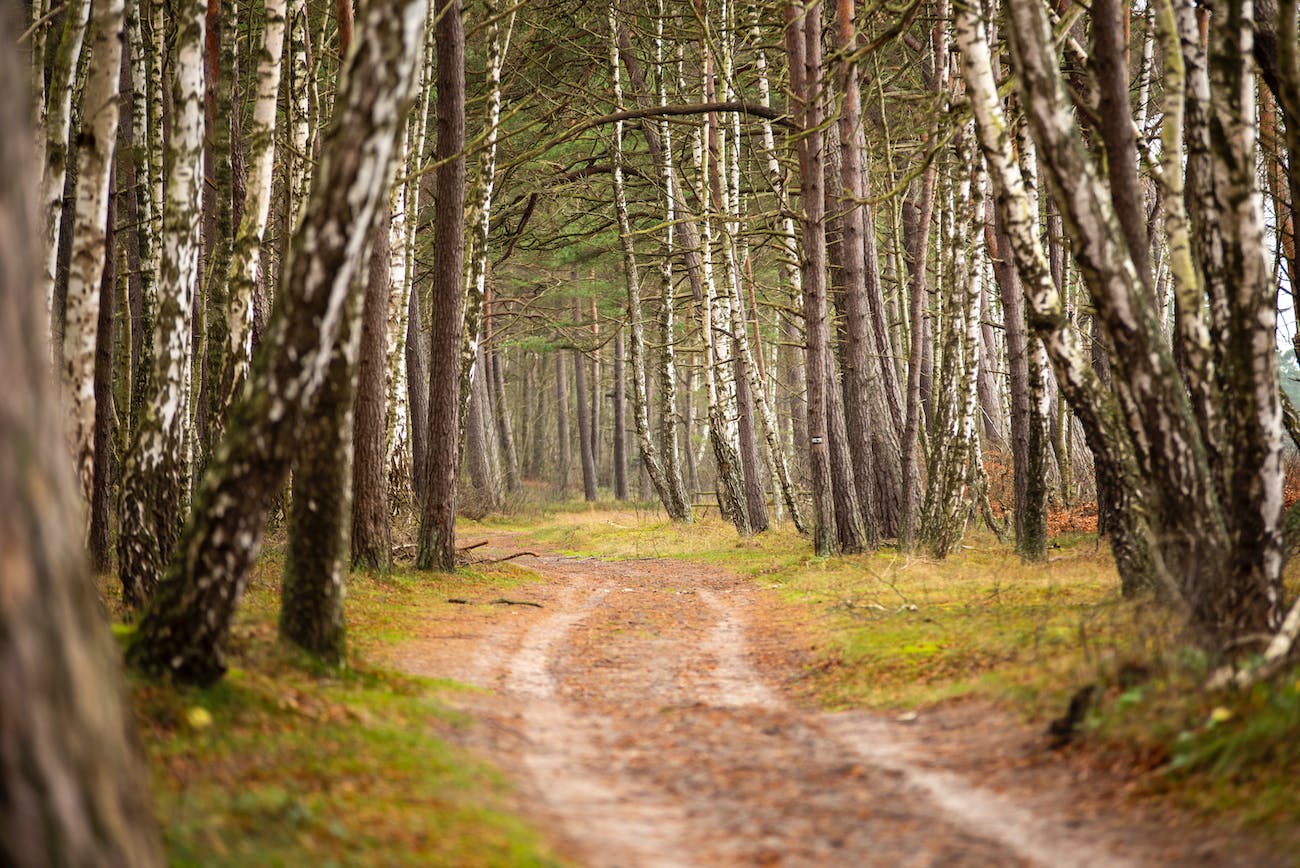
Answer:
(646, 714)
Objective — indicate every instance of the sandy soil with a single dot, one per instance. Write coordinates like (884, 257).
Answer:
(647, 713)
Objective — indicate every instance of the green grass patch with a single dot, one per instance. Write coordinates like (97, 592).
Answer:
(900, 632)
(285, 762)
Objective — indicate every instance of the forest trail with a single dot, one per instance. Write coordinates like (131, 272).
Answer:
(645, 714)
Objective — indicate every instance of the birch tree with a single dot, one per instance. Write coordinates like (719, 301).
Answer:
(185, 629)
(76, 790)
(97, 143)
(1206, 533)
(155, 479)
(57, 126)
(246, 264)
(669, 495)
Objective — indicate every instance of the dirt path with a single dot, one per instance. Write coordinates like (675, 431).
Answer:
(644, 712)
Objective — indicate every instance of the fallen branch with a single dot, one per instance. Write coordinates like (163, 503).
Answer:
(499, 601)
(511, 557)
(472, 546)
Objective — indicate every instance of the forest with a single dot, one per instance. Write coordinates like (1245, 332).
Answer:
(649, 432)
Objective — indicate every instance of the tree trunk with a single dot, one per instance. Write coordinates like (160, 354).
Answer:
(562, 437)
(437, 537)
(417, 396)
(670, 493)
(75, 786)
(803, 45)
(101, 500)
(58, 123)
(185, 629)
(246, 264)
(1029, 517)
(372, 538)
(584, 428)
(155, 480)
(96, 144)
(620, 421)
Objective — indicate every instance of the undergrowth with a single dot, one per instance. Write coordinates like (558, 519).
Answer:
(284, 762)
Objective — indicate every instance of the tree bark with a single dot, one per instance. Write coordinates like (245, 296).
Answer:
(74, 782)
(584, 427)
(620, 421)
(372, 538)
(186, 627)
(101, 500)
(155, 480)
(803, 46)
(96, 144)
(246, 264)
(437, 536)
(58, 123)
(564, 452)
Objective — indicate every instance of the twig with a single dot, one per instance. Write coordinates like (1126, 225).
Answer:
(511, 557)
(504, 602)
(472, 546)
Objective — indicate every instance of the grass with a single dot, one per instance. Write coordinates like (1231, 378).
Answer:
(902, 632)
(895, 631)
(287, 763)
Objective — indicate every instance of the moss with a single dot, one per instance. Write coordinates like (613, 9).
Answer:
(287, 762)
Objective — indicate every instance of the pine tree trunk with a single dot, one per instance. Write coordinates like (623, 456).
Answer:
(372, 538)
(186, 627)
(803, 46)
(564, 453)
(437, 536)
(584, 428)
(620, 421)
(417, 395)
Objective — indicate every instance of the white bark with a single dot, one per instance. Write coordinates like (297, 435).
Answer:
(246, 262)
(155, 480)
(58, 122)
(636, 330)
(97, 144)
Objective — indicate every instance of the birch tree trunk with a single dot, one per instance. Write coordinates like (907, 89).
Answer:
(76, 788)
(246, 265)
(96, 145)
(58, 123)
(185, 629)
(155, 479)
(918, 254)
(479, 214)
(145, 119)
(669, 495)
(620, 420)
(101, 499)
